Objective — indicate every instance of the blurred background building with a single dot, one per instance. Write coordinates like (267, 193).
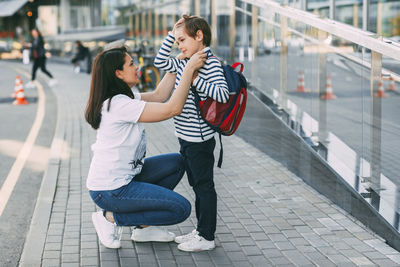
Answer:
(106, 20)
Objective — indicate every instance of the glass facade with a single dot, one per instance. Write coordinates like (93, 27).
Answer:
(338, 96)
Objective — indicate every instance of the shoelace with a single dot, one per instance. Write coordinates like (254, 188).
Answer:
(117, 232)
(192, 234)
(195, 239)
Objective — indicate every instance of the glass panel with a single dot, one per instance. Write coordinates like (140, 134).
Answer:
(320, 85)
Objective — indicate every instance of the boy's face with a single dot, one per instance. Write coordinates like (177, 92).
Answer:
(187, 44)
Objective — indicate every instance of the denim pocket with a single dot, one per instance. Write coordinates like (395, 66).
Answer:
(107, 200)
(98, 198)
(119, 193)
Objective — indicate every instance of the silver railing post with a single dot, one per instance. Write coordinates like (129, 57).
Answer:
(213, 25)
(254, 29)
(232, 31)
(283, 61)
(322, 77)
(376, 126)
(332, 9)
(365, 18)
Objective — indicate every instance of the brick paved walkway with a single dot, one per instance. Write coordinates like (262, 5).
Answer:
(266, 215)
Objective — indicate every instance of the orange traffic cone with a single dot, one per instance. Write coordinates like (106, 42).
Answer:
(18, 86)
(392, 85)
(328, 95)
(300, 83)
(381, 92)
(20, 98)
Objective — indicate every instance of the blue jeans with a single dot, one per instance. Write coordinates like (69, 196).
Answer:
(148, 199)
(199, 164)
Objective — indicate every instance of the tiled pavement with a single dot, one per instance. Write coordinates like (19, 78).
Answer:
(266, 215)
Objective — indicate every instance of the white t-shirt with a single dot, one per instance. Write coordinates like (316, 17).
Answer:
(120, 146)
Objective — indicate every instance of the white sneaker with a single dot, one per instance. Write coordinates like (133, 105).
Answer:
(197, 243)
(53, 82)
(185, 238)
(152, 233)
(77, 69)
(108, 233)
(30, 85)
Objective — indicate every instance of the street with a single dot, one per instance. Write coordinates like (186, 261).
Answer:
(17, 122)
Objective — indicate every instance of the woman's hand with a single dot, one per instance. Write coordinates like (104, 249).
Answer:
(197, 60)
(195, 74)
(180, 56)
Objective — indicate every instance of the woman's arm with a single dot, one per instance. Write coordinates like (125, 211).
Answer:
(153, 112)
(163, 90)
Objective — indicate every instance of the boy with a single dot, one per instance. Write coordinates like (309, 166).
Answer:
(196, 138)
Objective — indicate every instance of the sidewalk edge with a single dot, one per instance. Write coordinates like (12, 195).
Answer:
(34, 243)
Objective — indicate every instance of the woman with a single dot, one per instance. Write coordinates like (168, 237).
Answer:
(39, 58)
(132, 190)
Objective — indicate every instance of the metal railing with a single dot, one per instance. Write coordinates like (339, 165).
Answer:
(361, 159)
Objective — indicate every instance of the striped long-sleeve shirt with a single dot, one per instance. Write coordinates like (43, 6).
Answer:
(210, 82)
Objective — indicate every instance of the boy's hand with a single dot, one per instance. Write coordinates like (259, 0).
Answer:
(177, 24)
(197, 60)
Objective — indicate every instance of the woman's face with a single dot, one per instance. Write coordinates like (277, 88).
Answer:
(129, 72)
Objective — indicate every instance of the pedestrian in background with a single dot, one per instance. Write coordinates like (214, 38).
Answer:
(38, 56)
(130, 189)
(82, 53)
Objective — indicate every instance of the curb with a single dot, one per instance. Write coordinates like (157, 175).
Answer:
(36, 237)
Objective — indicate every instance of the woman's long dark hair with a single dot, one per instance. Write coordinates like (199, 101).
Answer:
(105, 84)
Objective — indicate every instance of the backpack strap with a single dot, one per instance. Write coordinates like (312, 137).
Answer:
(234, 65)
(221, 151)
(197, 102)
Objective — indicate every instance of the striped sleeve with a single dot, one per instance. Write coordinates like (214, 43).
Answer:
(163, 60)
(212, 81)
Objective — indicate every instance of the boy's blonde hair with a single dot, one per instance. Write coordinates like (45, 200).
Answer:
(193, 24)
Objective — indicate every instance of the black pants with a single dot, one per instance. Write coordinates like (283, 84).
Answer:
(199, 164)
(40, 62)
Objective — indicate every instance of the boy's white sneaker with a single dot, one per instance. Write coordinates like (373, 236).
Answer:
(185, 238)
(152, 233)
(196, 244)
(108, 233)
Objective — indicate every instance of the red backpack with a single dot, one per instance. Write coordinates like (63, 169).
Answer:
(225, 118)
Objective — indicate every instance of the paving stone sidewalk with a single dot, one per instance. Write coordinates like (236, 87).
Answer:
(266, 215)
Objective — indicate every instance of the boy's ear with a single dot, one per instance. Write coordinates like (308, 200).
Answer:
(199, 35)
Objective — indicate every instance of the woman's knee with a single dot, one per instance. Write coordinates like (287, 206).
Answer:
(184, 211)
